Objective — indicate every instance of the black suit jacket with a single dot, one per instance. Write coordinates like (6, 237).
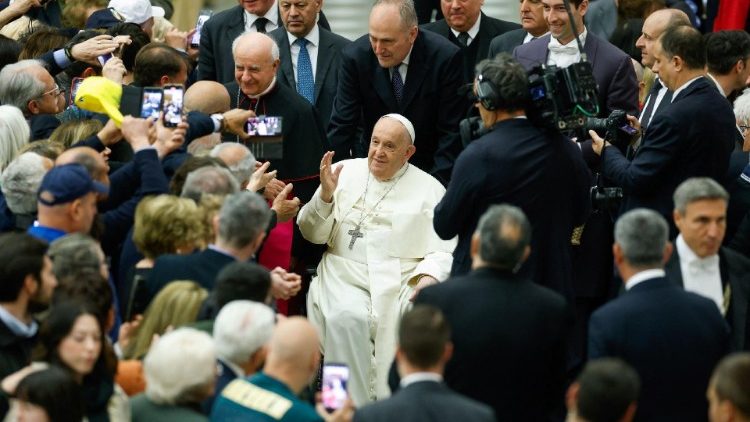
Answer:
(430, 101)
(201, 267)
(672, 338)
(735, 273)
(326, 72)
(507, 42)
(692, 137)
(518, 164)
(215, 62)
(489, 28)
(509, 342)
(425, 401)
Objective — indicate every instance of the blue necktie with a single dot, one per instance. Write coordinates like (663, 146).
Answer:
(305, 81)
(398, 84)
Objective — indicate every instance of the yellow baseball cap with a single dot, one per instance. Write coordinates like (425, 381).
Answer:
(100, 95)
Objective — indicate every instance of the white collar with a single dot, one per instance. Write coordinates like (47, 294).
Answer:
(239, 372)
(684, 86)
(645, 275)
(272, 15)
(689, 257)
(473, 31)
(530, 37)
(266, 91)
(419, 377)
(313, 37)
(16, 326)
(554, 43)
(718, 85)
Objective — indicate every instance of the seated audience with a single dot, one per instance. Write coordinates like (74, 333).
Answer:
(237, 281)
(14, 132)
(20, 182)
(606, 391)
(180, 373)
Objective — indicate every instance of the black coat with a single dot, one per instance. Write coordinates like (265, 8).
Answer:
(425, 401)
(429, 101)
(326, 72)
(520, 165)
(672, 338)
(489, 28)
(735, 275)
(509, 342)
(201, 267)
(507, 42)
(674, 148)
(215, 62)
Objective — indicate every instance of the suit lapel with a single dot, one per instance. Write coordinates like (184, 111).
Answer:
(484, 37)
(674, 270)
(325, 55)
(235, 28)
(416, 71)
(286, 61)
(381, 81)
(590, 48)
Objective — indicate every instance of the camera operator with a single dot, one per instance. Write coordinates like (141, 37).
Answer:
(693, 137)
(516, 163)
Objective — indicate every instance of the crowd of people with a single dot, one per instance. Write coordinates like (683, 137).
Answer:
(424, 234)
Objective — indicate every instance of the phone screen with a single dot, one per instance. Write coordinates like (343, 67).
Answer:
(630, 130)
(74, 85)
(103, 59)
(202, 18)
(335, 380)
(264, 126)
(173, 105)
(151, 103)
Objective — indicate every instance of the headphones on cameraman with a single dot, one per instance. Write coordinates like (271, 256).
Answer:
(488, 93)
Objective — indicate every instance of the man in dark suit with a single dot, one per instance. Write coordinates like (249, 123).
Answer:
(508, 333)
(399, 69)
(469, 29)
(533, 25)
(215, 59)
(424, 349)
(312, 72)
(675, 146)
(671, 337)
(240, 230)
(518, 164)
(699, 264)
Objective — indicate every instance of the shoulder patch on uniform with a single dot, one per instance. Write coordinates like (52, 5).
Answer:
(256, 398)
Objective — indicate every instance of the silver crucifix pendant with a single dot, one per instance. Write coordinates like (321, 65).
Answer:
(355, 234)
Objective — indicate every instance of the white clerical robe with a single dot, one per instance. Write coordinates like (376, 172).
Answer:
(360, 293)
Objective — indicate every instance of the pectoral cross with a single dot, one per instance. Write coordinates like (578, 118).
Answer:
(355, 234)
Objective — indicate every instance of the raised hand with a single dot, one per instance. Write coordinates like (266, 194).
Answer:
(329, 178)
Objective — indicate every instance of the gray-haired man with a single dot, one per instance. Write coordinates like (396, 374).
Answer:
(700, 264)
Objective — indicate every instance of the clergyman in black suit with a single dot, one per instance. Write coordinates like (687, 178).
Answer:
(533, 25)
(675, 146)
(399, 69)
(215, 61)
(509, 334)
(671, 337)
(313, 73)
(423, 350)
(469, 29)
(699, 264)
(518, 164)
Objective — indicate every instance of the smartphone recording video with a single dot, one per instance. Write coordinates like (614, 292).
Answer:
(103, 59)
(172, 100)
(151, 102)
(75, 83)
(264, 126)
(335, 379)
(202, 18)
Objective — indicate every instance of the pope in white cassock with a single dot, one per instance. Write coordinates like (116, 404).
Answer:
(375, 215)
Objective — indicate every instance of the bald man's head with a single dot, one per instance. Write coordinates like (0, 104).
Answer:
(256, 59)
(655, 25)
(88, 157)
(294, 343)
(208, 97)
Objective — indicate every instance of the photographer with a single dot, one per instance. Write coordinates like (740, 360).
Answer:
(519, 164)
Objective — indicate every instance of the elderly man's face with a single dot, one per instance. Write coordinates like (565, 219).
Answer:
(254, 68)
(390, 41)
(532, 17)
(299, 16)
(390, 148)
(653, 27)
(256, 7)
(744, 125)
(703, 225)
(52, 101)
(461, 15)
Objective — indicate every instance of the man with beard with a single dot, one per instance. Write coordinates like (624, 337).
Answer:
(27, 286)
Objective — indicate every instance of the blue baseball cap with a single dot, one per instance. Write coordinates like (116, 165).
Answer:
(66, 183)
(103, 18)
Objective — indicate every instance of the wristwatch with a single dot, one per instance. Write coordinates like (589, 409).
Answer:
(220, 119)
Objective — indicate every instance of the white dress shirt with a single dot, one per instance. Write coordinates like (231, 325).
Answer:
(473, 31)
(419, 377)
(700, 275)
(272, 15)
(530, 37)
(684, 86)
(402, 68)
(659, 96)
(642, 276)
(565, 55)
(313, 41)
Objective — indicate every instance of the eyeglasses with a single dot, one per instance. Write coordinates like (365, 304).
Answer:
(743, 127)
(55, 91)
